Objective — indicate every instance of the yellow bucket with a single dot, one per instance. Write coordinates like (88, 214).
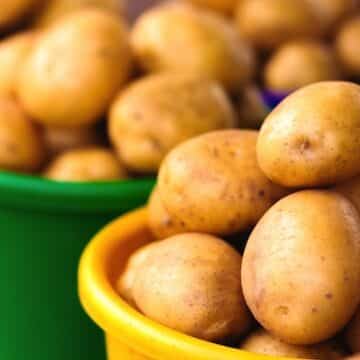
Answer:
(129, 334)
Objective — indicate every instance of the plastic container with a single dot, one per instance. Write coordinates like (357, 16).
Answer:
(130, 335)
(44, 227)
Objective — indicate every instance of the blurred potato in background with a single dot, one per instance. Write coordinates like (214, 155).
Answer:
(331, 12)
(54, 10)
(225, 6)
(76, 69)
(13, 52)
(12, 11)
(86, 164)
(21, 143)
(268, 23)
(186, 39)
(347, 45)
(299, 63)
(160, 111)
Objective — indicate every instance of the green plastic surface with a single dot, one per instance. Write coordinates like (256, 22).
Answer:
(44, 227)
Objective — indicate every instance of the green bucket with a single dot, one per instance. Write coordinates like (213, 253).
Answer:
(44, 227)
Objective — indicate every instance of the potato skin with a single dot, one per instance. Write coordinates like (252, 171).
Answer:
(353, 333)
(301, 267)
(14, 10)
(201, 275)
(261, 342)
(351, 190)
(125, 282)
(208, 44)
(347, 46)
(313, 137)
(354, 357)
(223, 6)
(87, 164)
(75, 69)
(21, 143)
(252, 109)
(13, 52)
(269, 23)
(158, 112)
(161, 223)
(212, 183)
(54, 10)
(59, 140)
(331, 12)
(300, 63)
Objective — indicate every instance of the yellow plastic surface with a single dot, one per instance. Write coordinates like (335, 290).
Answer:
(129, 334)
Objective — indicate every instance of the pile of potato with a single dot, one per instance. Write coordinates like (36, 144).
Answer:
(102, 98)
(291, 287)
(85, 96)
(299, 41)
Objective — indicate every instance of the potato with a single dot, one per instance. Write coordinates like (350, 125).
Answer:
(213, 184)
(54, 10)
(75, 69)
(252, 109)
(14, 10)
(162, 225)
(134, 265)
(269, 23)
(347, 47)
(261, 342)
(353, 333)
(300, 63)
(13, 52)
(224, 6)
(189, 40)
(160, 111)
(351, 190)
(301, 267)
(331, 12)
(87, 164)
(354, 357)
(313, 137)
(191, 283)
(21, 143)
(59, 140)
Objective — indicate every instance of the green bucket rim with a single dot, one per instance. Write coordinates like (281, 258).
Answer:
(34, 193)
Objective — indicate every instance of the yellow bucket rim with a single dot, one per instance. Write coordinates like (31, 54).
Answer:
(118, 319)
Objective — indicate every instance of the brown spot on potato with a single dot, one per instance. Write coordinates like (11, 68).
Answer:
(11, 148)
(260, 297)
(329, 296)
(282, 310)
(215, 152)
(302, 144)
(167, 222)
